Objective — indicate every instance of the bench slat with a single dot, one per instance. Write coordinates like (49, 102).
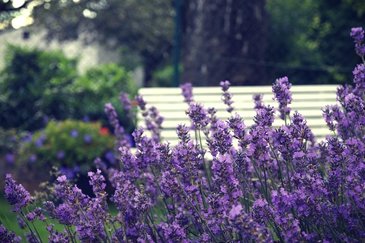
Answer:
(235, 89)
(307, 100)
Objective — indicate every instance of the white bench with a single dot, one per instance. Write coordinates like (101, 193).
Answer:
(307, 100)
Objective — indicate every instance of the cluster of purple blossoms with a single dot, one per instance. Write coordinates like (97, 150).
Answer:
(233, 183)
(227, 96)
(281, 90)
(16, 194)
(187, 92)
(357, 34)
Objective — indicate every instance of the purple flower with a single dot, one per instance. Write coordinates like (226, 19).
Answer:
(86, 119)
(187, 92)
(359, 77)
(183, 133)
(264, 116)
(16, 194)
(8, 236)
(141, 103)
(74, 133)
(237, 124)
(88, 138)
(68, 172)
(124, 99)
(10, 158)
(65, 214)
(357, 33)
(126, 104)
(60, 155)
(110, 157)
(281, 90)
(40, 141)
(118, 129)
(27, 137)
(198, 115)
(173, 232)
(235, 211)
(97, 181)
(221, 140)
(55, 236)
(32, 158)
(227, 96)
(257, 98)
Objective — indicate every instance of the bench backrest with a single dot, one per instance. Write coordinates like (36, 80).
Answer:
(307, 100)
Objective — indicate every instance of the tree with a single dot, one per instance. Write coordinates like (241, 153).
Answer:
(143, 27)
(224, 39)
(309, 40)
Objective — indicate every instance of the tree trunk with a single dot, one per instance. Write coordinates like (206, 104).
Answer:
(224, 39)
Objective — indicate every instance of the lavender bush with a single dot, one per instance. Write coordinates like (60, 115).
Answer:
(263, 184)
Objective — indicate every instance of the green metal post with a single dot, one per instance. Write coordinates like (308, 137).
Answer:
(177, 42)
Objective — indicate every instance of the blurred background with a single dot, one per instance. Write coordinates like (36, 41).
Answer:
(62, 60)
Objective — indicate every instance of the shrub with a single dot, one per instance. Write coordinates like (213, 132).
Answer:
(37, 86)
(275, 184)
(70, 145)
(34, 88)
(100, 85)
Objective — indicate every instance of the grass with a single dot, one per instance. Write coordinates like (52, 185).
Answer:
(8, 219)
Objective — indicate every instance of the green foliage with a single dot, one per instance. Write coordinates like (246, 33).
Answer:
(34, 86)
(164, 77)
(143, 27)
(9, 141)
(70, 144)
(309, 40)
(101, 85)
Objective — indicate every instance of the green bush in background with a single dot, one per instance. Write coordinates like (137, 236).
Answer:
(34, 87)
(37, 86)
(70, 145)
(101, 85)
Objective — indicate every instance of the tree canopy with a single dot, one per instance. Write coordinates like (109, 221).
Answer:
(307, 40)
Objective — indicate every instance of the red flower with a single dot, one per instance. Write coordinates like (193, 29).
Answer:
(104, 131)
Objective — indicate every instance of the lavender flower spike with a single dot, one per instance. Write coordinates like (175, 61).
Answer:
(187, 92)
(282, 93)
(357, 34)
(16, 194)
(227, 96)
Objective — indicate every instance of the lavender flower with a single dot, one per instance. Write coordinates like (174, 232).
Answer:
(126, 103)
(359, 78)
(198, 115)
(97, 181)
(278, 184)
(8, 236)
(172, 232)
(55, 236)
(187, 92)
(118, 129)
(257, 98)
(16, 194)
(10, 158)
(264, 116)
(281, 90)
(221, 140)
(357, 34)
(227, 96)
(141, 103)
